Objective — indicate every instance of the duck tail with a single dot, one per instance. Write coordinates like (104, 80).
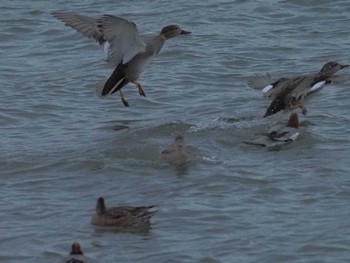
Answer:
(145, 214)
(99, 88)
(114, 83)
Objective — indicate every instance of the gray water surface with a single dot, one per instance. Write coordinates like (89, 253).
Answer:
(62, 147)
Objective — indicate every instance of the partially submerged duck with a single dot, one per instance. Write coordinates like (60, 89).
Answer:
(122, 217)
(176, 153)
(127, 52)
(279, 135)
(76, 255)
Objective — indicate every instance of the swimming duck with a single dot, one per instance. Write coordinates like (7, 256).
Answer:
(127, 52)
(121, 217)
(76, 256)
(279, 135)
(289, 93)
(176, 153)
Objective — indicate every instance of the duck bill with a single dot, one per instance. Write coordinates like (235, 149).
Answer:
(183, 32)
(344, 66)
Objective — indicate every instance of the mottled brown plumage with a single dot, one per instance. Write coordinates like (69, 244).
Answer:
(121, 217)
(177, 153)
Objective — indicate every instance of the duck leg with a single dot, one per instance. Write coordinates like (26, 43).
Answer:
(140, 88)
(125, 102)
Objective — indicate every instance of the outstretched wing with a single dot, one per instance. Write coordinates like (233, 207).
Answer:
(259, 82)
(121, 35)
(85, 25)
(124, 39)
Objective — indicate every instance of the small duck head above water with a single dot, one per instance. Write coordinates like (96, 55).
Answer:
(76, 250)
(293, 121)
(176, 153)
(179, 142)
(76, 256)
(332, 67)
(100, 206)
(171, 31)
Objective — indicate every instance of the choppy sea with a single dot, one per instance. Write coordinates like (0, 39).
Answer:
(61, 147)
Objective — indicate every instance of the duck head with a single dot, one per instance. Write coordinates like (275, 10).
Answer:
(293, 121)
(332, 67)
(171, 31)
(100, 206)
(179, 142)
(76, 250)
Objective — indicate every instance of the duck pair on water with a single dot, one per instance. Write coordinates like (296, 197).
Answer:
(288, 94)
(118, 217)
(128, 217)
